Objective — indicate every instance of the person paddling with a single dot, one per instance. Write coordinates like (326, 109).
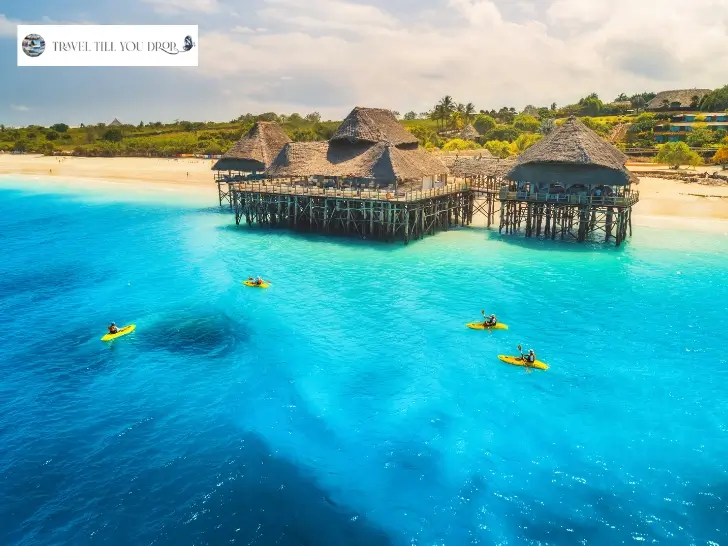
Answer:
(529, 359)
(488, 321)
(112, 328)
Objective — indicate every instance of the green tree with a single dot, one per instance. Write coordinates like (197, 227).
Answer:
(715, 101)
(469, 112)
(303, 135)
(524, 122)
(484, 123)
(621, 98)
(701, 136)
(503, 132)
(460, 144)
(676, 154)
(425, 135)
(51, 135)
(410, 116)
(447, 107)
(113, 135)
(313, 117)
(498, 148)
(59, 127)
(524, 142)
(590, 105)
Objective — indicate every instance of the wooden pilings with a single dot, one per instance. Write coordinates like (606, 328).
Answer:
(577, 221)
(387, 220)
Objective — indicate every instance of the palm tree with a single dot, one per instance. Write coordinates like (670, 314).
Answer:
(469, 112)
(447, 108)
(639, 102)
(438, 114)
(694, 101)
(665, 103)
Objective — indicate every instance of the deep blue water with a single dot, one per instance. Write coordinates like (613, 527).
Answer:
(348, 404)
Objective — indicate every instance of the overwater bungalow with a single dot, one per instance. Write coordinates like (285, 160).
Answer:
(571, 183)
(251, 155)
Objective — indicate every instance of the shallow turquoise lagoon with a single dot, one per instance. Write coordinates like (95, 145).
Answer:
(348, 403)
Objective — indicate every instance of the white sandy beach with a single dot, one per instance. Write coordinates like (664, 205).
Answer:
(662, 201)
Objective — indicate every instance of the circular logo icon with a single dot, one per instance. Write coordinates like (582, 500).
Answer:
(33, 45)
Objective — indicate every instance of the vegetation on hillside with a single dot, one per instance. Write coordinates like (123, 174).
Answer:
(503, 131)
(676, 154)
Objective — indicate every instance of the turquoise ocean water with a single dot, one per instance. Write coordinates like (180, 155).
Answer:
(348, 404)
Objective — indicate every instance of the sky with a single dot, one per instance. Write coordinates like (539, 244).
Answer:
(331, 55)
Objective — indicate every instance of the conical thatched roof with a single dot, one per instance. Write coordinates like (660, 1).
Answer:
(469, 133)
(381, 162)
(255, 151)
(115, 123)
(571, 154)
(373, 125)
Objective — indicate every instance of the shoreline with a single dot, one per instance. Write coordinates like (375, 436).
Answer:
(663, 202)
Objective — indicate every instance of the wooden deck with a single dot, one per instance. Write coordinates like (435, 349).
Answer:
(565, 199)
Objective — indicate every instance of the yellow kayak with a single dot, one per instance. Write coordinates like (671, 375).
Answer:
(517, 361)
(122, 332)
(480, 326)
(251, 283)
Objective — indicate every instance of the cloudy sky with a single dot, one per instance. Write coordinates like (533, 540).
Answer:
(330, 55)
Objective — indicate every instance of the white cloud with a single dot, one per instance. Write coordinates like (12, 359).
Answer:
(247, 30)
(378, 59)
(19, 107)
(8, 26)
(178, 6)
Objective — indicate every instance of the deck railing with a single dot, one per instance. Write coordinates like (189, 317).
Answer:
(389, 193)
(567, 199)
(380, 194)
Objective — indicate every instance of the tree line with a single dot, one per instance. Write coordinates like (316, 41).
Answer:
(503, 131)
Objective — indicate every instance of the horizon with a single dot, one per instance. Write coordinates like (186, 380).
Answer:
(328, 56)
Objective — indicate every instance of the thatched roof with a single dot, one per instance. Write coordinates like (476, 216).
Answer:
(256, 150)
(470, 167)
(682, 96)
(373, 125)
(569, 154)
(381, 161)
(469, 133)
(115, 123)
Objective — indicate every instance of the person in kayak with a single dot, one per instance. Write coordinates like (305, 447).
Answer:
(112, 328)
(259, 281)
(488, 321)
(529, 358)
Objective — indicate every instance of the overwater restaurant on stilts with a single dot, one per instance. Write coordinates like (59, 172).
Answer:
(373, 180)
(572, 183)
